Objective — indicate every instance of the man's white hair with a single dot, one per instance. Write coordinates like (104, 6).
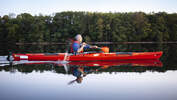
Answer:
(78, 36)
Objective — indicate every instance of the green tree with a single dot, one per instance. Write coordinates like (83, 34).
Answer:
(94, 26)
(141, 26)
(172, 26)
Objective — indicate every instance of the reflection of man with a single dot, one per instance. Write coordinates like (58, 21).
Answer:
(79, 73)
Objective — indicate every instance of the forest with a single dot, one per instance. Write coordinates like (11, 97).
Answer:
(94, 26)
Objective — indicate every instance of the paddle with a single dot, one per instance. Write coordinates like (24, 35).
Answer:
(64, 61)
(104, 49)
(67, 50)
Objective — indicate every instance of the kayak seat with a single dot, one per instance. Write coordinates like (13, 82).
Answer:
(130, 53)
(50, 54)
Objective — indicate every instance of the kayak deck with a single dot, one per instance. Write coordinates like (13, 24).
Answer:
(88, 56)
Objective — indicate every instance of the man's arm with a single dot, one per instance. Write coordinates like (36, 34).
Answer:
(77, 48)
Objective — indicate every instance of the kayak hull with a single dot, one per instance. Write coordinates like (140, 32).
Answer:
(88, 56)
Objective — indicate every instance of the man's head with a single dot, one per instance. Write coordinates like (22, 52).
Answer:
(79, 80)
(78, 38)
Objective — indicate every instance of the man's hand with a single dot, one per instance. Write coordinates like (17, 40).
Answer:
(94, 46)
(84, 44)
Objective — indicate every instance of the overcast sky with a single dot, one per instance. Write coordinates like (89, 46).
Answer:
(48, 7)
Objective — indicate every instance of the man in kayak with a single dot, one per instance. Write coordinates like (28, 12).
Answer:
(78, 46)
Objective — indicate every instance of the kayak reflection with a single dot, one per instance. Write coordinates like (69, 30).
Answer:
(152, 62)
(81, 69)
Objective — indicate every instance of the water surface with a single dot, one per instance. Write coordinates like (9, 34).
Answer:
(125, 82)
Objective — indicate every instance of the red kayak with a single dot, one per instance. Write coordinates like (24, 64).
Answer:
(87, 56)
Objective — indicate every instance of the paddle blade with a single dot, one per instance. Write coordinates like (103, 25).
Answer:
(105, 49)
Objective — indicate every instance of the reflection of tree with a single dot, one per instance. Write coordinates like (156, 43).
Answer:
(171, 57)
(60, 69)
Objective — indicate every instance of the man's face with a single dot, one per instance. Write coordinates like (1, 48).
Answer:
(80, 39)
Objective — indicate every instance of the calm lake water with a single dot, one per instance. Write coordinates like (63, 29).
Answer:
(128, 80)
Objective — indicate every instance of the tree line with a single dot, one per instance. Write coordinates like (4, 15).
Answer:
(94, 26)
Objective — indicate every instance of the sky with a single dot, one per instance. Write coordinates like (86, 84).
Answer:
(48, 7)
